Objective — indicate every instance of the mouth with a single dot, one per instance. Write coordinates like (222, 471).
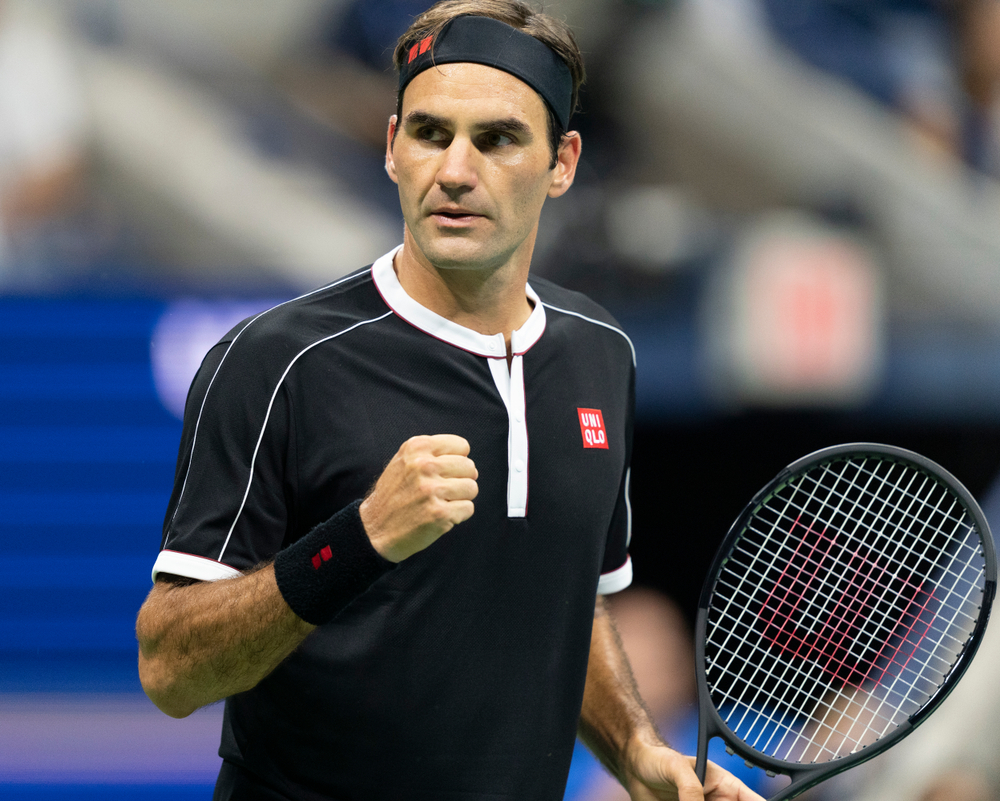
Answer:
(452, 216)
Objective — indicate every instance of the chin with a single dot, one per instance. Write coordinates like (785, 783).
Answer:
(462, 255)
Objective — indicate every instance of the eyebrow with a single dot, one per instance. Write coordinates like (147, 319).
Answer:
(511, 125)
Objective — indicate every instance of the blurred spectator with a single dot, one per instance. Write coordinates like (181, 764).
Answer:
(348, 80)
(660, 649)
(43, 135)
(935, 61)
(959, 786)
(713, 101)
(978, 28)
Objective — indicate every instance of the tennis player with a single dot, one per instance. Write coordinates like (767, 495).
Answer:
(400, 498)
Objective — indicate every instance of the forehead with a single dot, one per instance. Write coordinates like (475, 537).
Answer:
(463, 89)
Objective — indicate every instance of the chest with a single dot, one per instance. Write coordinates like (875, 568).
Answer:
(547, 431)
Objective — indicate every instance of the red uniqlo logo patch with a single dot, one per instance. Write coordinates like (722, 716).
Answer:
(592, 428)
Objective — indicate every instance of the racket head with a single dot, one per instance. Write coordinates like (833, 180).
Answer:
(843, 606)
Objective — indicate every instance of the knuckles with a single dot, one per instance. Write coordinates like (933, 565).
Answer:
(438, 510)
(422, 465)
(425, 491)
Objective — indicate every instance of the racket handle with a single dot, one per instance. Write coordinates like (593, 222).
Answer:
(701, 761)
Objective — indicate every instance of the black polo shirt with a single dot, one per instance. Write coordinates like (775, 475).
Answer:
(459, 674)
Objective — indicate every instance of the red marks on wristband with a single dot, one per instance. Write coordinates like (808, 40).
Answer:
(325, 555)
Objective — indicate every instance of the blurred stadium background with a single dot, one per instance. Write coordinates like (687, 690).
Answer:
(792, 206)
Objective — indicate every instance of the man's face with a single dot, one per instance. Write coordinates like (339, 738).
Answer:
(472, 161)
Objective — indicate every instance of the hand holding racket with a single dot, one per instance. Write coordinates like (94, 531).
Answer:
(843, 606)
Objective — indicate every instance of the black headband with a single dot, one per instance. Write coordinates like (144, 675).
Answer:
(484, 40)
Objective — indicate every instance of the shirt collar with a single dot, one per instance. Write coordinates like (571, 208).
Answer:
(444, 329)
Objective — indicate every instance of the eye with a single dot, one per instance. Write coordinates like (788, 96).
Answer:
(432, 135)
(493, 139)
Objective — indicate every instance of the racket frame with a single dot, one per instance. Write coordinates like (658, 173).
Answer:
(710, 722)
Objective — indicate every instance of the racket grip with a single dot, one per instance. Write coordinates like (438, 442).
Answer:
(701, 761)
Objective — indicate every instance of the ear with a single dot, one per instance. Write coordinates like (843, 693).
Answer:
(567, 157)
(390, 164)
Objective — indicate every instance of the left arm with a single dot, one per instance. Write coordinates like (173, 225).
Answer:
(616, 726)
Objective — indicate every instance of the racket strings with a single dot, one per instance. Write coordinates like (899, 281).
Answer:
(763, 724)
(812, 562)
(842, 609)
(867, 711)
(755, 573)
(890, 592)
(832, 595)
(841, 614)
(922, 515)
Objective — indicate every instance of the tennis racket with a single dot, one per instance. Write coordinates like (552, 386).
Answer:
(845, 603)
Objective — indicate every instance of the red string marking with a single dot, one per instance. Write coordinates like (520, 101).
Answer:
(841, 620)
(784, 572)
(827, 632)
(781, 637)
(893, 659)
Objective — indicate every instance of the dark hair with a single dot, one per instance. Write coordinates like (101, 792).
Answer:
(549, 30)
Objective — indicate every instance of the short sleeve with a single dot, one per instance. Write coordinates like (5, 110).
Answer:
(616, 568)
(229, 508)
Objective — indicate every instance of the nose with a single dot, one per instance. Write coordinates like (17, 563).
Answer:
(457, 169)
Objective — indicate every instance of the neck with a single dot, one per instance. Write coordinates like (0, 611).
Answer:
(487, 300)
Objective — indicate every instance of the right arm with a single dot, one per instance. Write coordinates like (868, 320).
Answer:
(199, 643)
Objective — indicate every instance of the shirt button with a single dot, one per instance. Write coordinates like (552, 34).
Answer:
(519, 465)
(492, 345)
(518, 417)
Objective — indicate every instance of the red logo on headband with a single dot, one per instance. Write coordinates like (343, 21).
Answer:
(420, 48)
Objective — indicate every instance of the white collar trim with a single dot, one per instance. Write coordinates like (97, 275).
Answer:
(492, 347)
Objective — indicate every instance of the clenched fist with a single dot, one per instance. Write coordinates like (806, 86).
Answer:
(426, 490)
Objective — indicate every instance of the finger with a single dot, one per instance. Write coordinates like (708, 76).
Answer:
(672, 774)
(440, 444)
(460, 511)
(724, 785)
(455, 466)
(689, 788)
(746, 794)
(684, 778)
(458, 489)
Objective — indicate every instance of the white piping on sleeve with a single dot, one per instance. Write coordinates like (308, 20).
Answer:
(204, 400)
(270, 406)
(628, 506)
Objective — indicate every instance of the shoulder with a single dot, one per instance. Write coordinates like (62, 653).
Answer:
(326, 312)
(565, 307)
(567, 301)
(257, 353)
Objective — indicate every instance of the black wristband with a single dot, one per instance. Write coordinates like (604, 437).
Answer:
(329, 567)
